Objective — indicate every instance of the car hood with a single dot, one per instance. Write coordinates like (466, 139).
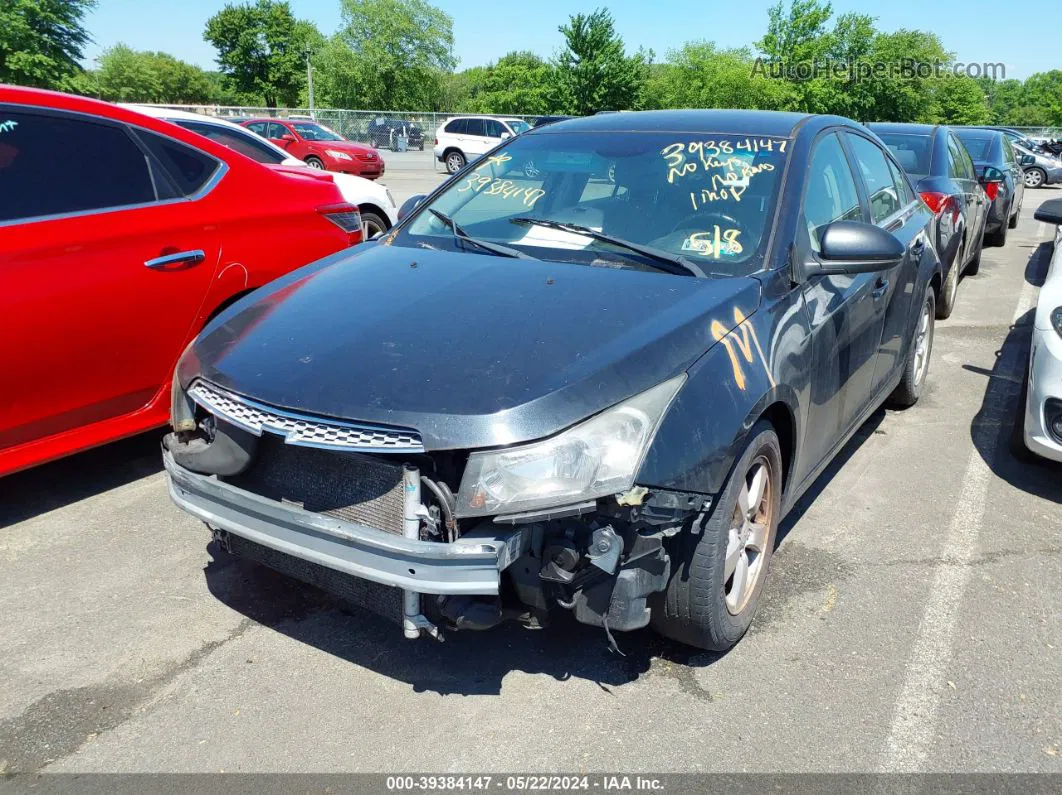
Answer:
(347, 146)
(470, 350)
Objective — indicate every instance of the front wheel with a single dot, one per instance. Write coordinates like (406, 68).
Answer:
(1035, 178)
(918, 351)
(950, 289)
(719, 566)
(455, 161)
(373, 225)
(313, 162)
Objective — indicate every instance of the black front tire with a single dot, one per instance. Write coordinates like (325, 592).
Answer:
(916, 367)
(693, 608)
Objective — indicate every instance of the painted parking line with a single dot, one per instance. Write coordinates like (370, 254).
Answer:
(910, 735)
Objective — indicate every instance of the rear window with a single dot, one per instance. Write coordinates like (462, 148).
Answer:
(912, 152)
(243, 142)
(978, 146)
(456, 127)
(52, 164)
(189, 168)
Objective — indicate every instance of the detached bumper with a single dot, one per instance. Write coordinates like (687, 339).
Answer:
(471, 565)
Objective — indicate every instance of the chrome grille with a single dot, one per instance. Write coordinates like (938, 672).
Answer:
(302, 430)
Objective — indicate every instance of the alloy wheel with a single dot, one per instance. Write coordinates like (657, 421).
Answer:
(750, 532)
(1033, 178)
(454, 163)
(923, 343)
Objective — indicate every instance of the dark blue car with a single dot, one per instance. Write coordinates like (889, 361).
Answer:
(999, 168)
(571, 391)
(947, 180)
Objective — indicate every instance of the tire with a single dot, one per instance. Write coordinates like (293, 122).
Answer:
(314, 162)
(455, 161)
(975, 263)
(919, 352)
(999, 237)
(1013, 220)
(421, 147)
(1035, 178)
(701, 605)
(372, 223)
(949, 291)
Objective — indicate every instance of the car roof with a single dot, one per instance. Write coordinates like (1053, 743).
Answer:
(760, 122)
(978, 132)
(902, 127)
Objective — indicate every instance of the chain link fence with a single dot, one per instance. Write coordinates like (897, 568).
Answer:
(377, 128)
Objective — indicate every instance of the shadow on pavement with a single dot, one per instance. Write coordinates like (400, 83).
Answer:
(32, 492)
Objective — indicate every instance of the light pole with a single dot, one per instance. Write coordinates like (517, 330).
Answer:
(99, 91)
(309, 77)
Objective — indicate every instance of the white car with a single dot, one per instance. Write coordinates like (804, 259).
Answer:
(1043, 407)
(461, 139)
(378, 210)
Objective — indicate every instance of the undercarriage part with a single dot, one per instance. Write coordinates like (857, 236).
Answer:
(605, 549)
(619, 602)
(476, 612)
(413, 621)
(447, 504)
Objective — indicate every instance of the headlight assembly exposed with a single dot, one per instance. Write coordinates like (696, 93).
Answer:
(597, 457)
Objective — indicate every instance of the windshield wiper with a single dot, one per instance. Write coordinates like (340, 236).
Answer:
(461, 234)
(672, 263)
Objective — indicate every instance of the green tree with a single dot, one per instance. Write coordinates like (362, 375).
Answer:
(262, 49)
(1043, 90)
(594, 71)
(128, 75)
(401, 51)
(41, 41)
(908, 92)
(699, 75)
(958, 99)
(1003, 96)
(520, 82)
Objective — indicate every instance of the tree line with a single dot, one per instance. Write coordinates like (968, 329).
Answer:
(398, 55)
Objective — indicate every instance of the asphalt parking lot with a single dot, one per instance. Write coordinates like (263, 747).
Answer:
(912, 619)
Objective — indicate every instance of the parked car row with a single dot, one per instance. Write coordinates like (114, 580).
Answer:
(463, 139)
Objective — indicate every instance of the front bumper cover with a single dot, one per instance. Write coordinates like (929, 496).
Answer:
(471, 565)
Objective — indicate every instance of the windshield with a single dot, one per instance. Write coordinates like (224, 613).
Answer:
(705, 197)
(518, 125)
(911, 151)
(309, 131)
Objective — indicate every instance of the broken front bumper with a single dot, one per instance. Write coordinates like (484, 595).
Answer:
(472, 565)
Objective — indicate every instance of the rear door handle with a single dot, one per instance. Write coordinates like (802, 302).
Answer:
(918, 247)
(880, 286)
(175, 262)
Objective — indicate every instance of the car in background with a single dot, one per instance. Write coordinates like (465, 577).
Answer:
(1001, 174)
(1040, 167)
(945, 177)
(382, 133)
(373, 200)
(1043, 403)
(319, 146)
(462, 139)
(586, 397)
(120, 237)
(542, 121)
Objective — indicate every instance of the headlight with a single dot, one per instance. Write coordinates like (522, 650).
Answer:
(1056, 320)
(595, 458)
(337, 155)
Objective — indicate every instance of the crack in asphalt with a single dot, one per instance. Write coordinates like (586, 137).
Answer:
(60, 722)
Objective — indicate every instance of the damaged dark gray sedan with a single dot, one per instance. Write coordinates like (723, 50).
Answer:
(591, 372)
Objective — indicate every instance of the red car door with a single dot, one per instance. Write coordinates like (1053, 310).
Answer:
(107, 249)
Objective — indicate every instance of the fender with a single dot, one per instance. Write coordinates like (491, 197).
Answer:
(759, 366)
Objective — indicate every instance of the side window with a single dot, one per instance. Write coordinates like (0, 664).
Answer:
(275, 131)
(245, 143)
(874, 166)
(830, 194)
(475, 127)
(903, 190)
(258, 127)
(953, 162)
(494, 128)
(1008, 150)
(189, 168)
(969, 164)
(53, 163)
(456, 127)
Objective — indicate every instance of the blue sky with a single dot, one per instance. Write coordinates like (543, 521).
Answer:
(976, 30)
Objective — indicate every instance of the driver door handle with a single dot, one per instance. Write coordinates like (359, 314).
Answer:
(880, 287)
(175, 262)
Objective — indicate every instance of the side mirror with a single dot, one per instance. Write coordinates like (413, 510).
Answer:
(1050, 212)
(287, 138)
(992, 176)
(506, 135)
(1027, 160)
(852, 247)
(409, 205)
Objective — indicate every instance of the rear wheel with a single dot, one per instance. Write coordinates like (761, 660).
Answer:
(718, 569)
(950, 289)
(999, 237)
(1013, 222)
(373, 225)
(918, 353)
(314, 162)
(455, 161)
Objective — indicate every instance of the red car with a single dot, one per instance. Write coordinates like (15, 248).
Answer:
(120, 237)
(319, 146)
